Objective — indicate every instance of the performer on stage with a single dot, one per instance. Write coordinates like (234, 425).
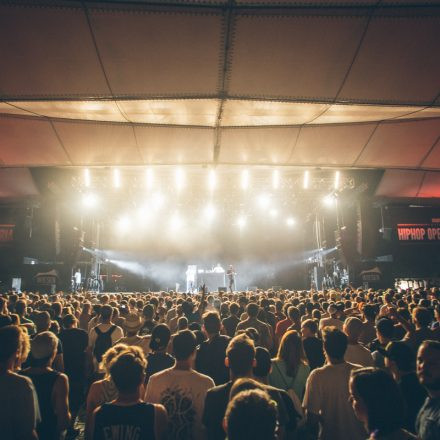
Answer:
(231, 276)
(77, 277)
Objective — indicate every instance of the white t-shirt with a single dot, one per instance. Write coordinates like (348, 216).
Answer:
(182, 392)
(327, 395)
(358, 354)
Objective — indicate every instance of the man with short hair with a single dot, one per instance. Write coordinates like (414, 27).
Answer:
(332, 320)
(356, 353)
(20, 309)
(262, 328)
(104, 335)
(368, 333)
(211, 353)
(76, 360)
(230, 323)
(326, 398)
(240, 359)
(428, 372)
(43, 322)
(181, 390)
(401, 362)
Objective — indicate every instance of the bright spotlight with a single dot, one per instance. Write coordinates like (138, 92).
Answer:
(337, 179)
(209, 212)
(306, 179)
(123, 224)
(87, 179)
(273, 213)
(116, 178)
(212, 180)
(149, 178)
(179, 179)
(290, 221)
(245, 179)
(158, 200)
(89, 200)
(241, 222)
(275, 179)
(329, 200)
(264, 201)
(176, 222)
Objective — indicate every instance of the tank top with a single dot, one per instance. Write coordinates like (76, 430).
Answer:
(134, 422)
(44, 383)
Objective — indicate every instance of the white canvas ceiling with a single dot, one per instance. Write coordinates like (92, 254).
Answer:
(279, 83)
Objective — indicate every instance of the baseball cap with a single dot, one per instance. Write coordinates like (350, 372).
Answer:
(401, 353)
(160, 337)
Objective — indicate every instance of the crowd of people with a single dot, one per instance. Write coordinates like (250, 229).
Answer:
(262, 365)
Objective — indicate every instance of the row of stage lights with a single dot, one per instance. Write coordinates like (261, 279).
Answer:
(176, 222)
(209, 214)
(212, 180)
(144, 216)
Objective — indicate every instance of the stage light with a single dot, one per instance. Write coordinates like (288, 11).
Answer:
(89, 200)
(290, 221)
(158, 200)
(245, 179)
(116, 178)
(264, 201)
(87, 179)
(209, 212)
(176, 222)
(306, 179)
(123, 224)
(212, 180)
(179, 179)
(337, 179)
(241, 222)
(275, 179)
(273, 213)
(149, 178)
(329, 200)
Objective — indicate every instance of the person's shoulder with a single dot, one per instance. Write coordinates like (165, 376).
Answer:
(319, 372)
(220, 389)
(352, 366)
(161, 375)
(224, 339)
(20, 380)
(202, 377)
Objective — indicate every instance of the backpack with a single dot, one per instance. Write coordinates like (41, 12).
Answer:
(103, 342)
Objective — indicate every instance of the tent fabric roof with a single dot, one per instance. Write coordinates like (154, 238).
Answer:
(276, 83)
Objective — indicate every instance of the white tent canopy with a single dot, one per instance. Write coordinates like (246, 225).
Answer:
(280, 83)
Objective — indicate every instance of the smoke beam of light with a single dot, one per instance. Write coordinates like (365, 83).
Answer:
(276, 179)
(116, 178)
(337, 179)
(306, 179)
(168, 272)
(87, 179)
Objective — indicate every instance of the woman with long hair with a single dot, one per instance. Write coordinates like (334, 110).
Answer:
(378, 404)
(290, 369)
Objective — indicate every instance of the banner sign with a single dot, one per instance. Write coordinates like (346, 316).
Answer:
(6, 233)
(429, 232)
